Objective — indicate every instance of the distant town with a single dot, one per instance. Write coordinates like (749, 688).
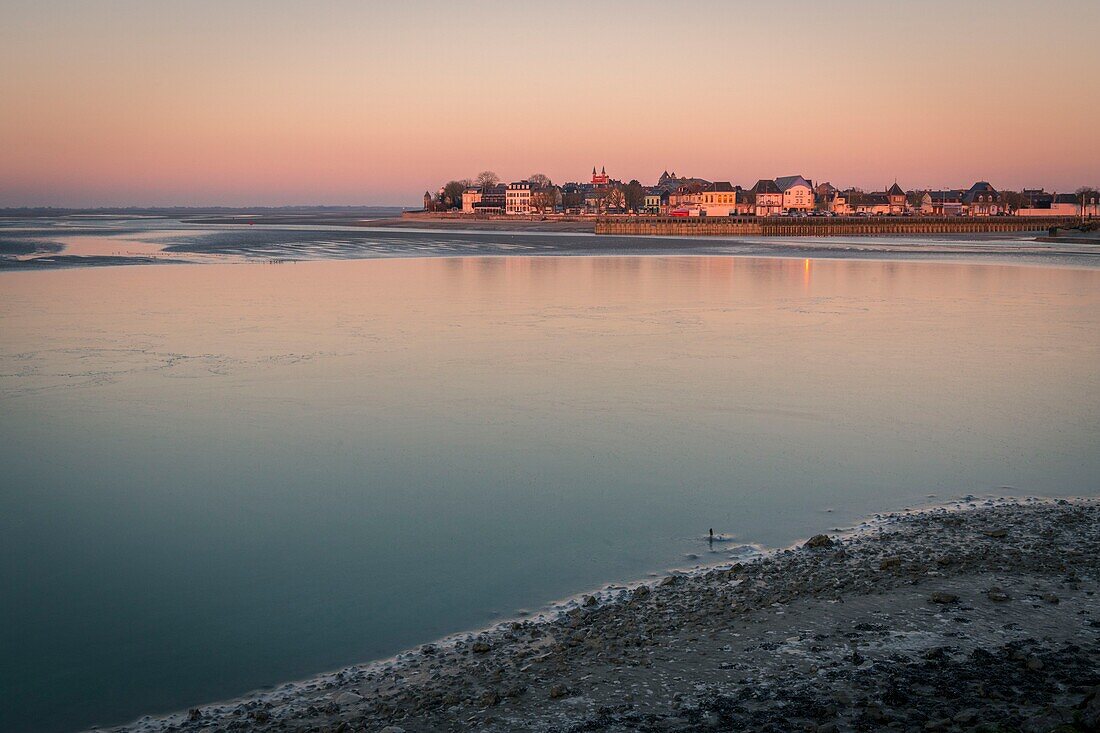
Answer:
(797, 196)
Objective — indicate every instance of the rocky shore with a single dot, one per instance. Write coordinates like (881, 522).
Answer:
(978, 616)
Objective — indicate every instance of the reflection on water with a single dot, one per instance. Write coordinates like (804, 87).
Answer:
(221, 477)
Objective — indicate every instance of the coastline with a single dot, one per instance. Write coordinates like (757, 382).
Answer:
(327, 242)
(942, 618)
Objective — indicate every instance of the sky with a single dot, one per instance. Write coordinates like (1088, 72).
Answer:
(271, 102)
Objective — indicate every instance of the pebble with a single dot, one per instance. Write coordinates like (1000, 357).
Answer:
(347, 698)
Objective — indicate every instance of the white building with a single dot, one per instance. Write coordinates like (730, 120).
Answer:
(517, 200)
(798, 193)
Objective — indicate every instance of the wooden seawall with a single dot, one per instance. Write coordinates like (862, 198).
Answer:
(781, 226)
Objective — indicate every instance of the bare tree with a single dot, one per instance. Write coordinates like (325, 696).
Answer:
(487, 179)
(540, 200)
(553, 197)
(540, 180)
(545, 199)
(600, 196)
(1013, 200)
(615, 198)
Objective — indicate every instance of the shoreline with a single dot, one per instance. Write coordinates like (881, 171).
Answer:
(383, 243)
(797, 638)
(888, 227)
(569, 226)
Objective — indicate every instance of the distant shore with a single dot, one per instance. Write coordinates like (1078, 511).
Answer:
(951, 618)
(412, 222)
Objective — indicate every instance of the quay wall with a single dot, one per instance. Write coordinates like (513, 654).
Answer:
(825, 227)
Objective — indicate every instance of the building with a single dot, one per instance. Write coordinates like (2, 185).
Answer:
(671, 181)
(717, 199)
(470, 197)
(899, 204)
(744, 203)
(1037, 198)
(824, 193)
(657, 201)
(493, 199)
(1090, 203)
(517, 199)
(489, 200)
(920, 202)
(1065, 204)
(876, 203)
(1086, 203)
(836, 201)
(602, 195)
(572, 198)
(686, 194)
(982, 200)
(768, 198)
(1041, 203)
(1038, 202)
(891, 202)
(798, 193)
(947, 202)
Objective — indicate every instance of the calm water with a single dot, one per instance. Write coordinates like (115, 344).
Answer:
(218, 477)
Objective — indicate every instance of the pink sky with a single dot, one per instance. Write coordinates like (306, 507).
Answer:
(129, 102)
